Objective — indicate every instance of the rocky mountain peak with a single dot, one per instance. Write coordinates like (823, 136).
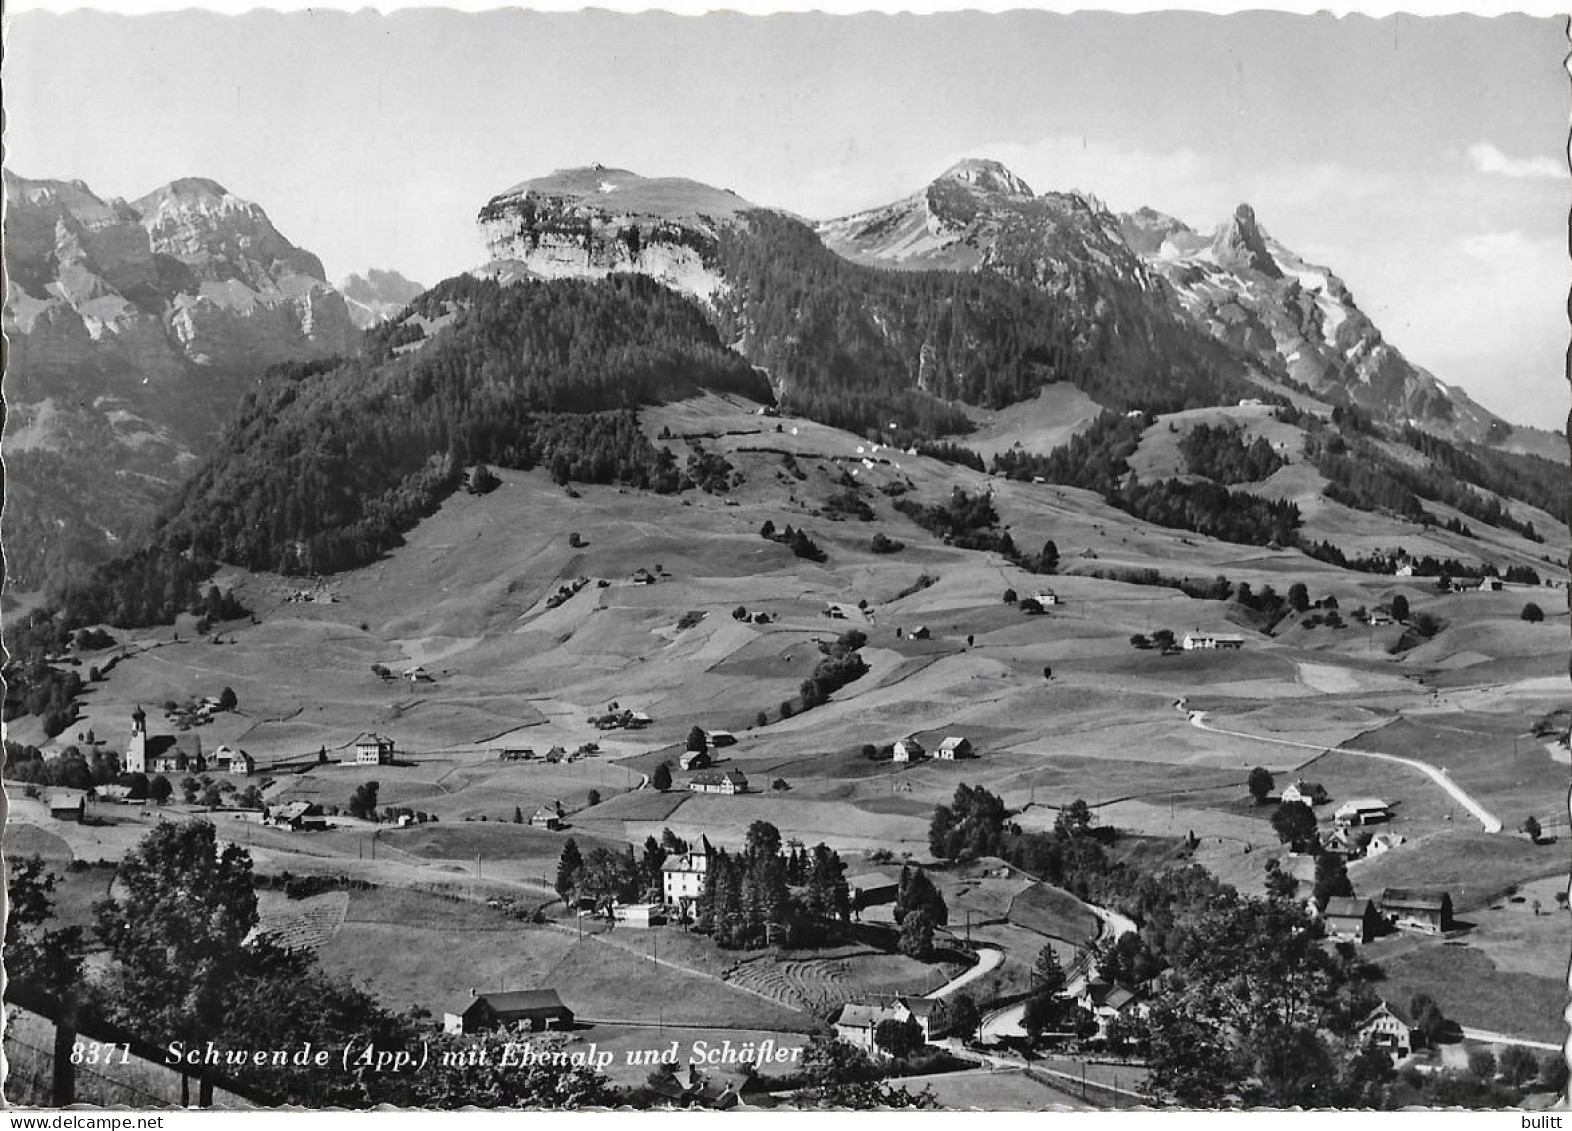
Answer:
(1239, 243)
(986, 175)
(220, 236)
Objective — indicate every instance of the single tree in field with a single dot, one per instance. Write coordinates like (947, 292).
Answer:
(1531, 828)
(1400, 607)
(518, 815)
(1298, 597)
(916, 934)
(1294, 823)
(1009, 597)
(1163, 639)
(592, 799)
(227, 699)
(160, 790)
(1261, 784)
(1047, 973)
(1532, 613)
(1138, 640)
(697, 740)
(568, 867)
(661, 778)
(363, 802)
(898, 1038)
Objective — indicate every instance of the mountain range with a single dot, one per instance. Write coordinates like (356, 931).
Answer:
(138, 328)
(134, 328)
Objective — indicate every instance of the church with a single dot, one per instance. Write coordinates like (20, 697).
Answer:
(161, 754)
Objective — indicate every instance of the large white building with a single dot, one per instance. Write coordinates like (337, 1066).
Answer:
(682, 876)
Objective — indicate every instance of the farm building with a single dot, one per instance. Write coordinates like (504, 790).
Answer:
(1490, 585)
(873, 888)
(909, 750)
(418, 674)
(954, 747)
(731, 782)
(529, 1010)
(857, 1021)
(638, 914)
(921, 632)
(926, 1012)
(547, 816)
(1418, 909)
(373, 749)
(1343, 842)
(1194, 641)
(1046, 597)
(1311, 793)
(1363, 811)
(694, 1089)
(637, 720)
(1348, 917)
(68, 805)
(695, 760)
(1388, 1030)
(1384, 842)
(722, 738)
(682, 876)
(299, 816)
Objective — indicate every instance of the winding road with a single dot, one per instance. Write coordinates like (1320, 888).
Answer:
(1491, 823)
(988, 958)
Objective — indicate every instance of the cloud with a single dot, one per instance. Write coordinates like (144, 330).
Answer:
(1487, 159)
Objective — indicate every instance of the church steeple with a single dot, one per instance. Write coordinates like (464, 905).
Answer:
(139, 720)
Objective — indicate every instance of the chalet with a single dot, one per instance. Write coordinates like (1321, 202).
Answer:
(873, 888)
(637, 720)
(547, 816)
(1490, 585)
(1106, 1001)
(1404, 570)
(1418, 909)
(1197, 641)
(695, 760)
(1311, 793)
(921, 632)
(1387, 1029)
(1046, 597)
(1342, 842)
(373, 749)
(909, 750)
(235, 762)
(643, 576)
(722, 738)
(731, 782)
(418, 674)
(1363, 811)
(68, 805)
(695, 1089)
(954, 747)
(1380, 619)
(926, 1012)
(527, 1010)
(1348, 917)
(682, 876)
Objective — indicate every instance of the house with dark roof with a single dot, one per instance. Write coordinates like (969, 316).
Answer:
(731, 782)
(695, 760)
(1349, 917)
(871, 889)
(1106, 1001)
(1417, 909)
(68, 805)
(547, 816)
(953, 747)
(1309, 792)
(1363, 811)
(694, 1089)
(856, 1022)
(529, 1010)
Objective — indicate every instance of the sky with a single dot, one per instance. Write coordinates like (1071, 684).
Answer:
(1422, 159)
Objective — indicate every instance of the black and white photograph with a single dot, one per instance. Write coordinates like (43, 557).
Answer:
(786, 561)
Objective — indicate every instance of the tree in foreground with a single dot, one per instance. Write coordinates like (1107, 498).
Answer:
(1261, 784)
(1295, 824)
(35, 958)
(916, 939)
(964, 1017)
(184, 906)
(1532, 613)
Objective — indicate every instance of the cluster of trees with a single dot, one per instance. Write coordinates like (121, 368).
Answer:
(797, 540)
(1531, 479)
(70, 768)
(762, 896)
(951, 452)
(1211, 509)
(842, 664)
(1220, 453)
(976, 823)
(967, 521)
